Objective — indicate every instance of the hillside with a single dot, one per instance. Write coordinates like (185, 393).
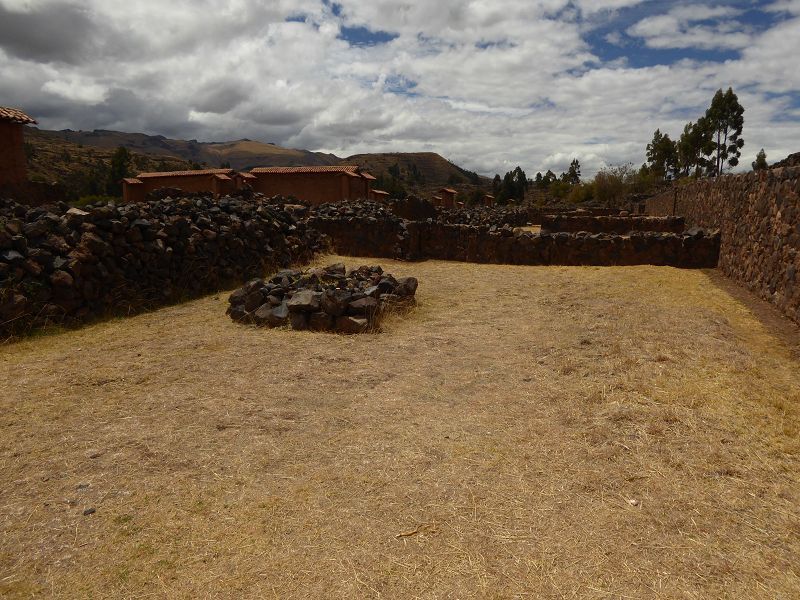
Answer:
(71, 157)
(422, 173)
(240, 154)
(83, 169)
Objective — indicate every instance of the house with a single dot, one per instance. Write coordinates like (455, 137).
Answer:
(488, 200)
(315, 185)
(13, 163)
(214, 181)
(379, 195)
(448, 196)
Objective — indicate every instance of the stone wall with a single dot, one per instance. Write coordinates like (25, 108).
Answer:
(758, 215)
(612, 224)
(368, 229)
(61, 264)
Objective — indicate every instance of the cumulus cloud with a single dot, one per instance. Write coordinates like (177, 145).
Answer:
(487, 83)
(693, 26)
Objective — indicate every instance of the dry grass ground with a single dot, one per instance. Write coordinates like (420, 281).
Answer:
(526, 432)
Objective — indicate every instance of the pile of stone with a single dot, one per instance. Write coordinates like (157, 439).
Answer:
(322, 299)
(67, 265)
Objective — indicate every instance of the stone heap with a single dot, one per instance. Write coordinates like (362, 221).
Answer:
(322, 299)
(67, 265)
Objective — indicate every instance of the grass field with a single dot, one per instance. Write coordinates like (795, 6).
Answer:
(525, 432)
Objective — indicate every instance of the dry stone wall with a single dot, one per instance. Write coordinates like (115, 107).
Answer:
(605, 224)
(369, 229)
(68, 265)
(758, 215)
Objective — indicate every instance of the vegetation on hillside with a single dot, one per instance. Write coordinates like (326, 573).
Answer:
(87, 172)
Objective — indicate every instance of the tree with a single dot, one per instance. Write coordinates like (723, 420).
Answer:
(572, 176)
(725, 118)
(760, 163)
(662, 156)
(120, 166)
(496, 183)
(694, 145)
(512, 186)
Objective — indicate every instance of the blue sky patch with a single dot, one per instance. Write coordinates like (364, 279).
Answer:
(361, 36)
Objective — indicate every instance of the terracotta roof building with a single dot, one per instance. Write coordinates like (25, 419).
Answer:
(214, 181)
(315, 185)
(448, 197)
(13, 163)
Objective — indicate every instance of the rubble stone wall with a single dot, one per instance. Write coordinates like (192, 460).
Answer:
(603, 224)
(70, 265)
(389, 237)
(758, 215)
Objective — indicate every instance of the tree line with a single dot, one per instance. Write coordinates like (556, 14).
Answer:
(707, 147)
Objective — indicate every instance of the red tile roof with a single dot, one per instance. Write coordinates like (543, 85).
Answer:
(222, 177)
(316, 169)
(187, 173)
(15, 116)
(380, 193)
(366, 175)
(132, 181)
(448, 190)
(246, 175)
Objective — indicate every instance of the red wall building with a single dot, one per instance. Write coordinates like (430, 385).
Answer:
(315, 185)
(13, 163)
(448, 197)
(215, 181)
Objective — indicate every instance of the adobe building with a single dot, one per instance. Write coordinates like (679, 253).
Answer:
(488, 200)
(379, 196)
(215, 181)
(315, 185)
(13, 163)
(448, 196)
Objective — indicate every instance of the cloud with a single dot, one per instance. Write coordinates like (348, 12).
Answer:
(60, 32)
(489, 84)
(693, 26)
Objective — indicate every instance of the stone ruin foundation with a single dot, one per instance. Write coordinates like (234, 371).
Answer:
(322, 299)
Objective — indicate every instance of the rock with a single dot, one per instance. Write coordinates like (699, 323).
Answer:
(298, 320)
(253, 300)
(335, 302)
(261, 316)
(62, 279)
(364, 307)
(89, 511)
(12, 257)
(237, 297)
(351, 325)
(337, 269)
(279, 315)
(321, 321)
(407, 286)
(304, 301)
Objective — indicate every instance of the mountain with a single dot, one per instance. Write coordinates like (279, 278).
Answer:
(421, 173)
(83, 170)
(77, 158)
(240, 154)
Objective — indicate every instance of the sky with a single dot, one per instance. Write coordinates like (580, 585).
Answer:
(489, 84)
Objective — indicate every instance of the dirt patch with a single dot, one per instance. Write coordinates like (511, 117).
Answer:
(524, 432)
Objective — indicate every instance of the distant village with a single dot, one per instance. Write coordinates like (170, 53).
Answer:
(313, 184)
